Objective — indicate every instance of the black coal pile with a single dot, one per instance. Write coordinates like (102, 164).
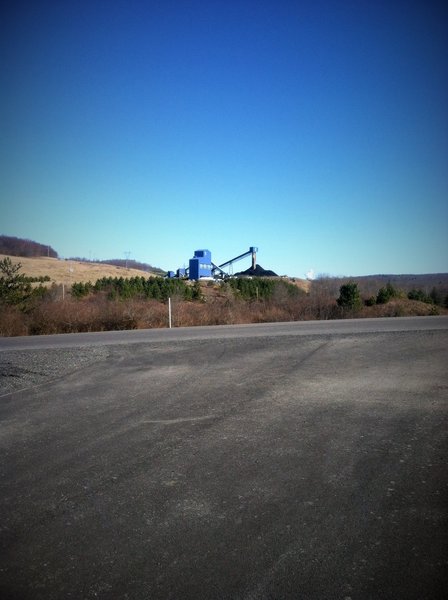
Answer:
(257, 272)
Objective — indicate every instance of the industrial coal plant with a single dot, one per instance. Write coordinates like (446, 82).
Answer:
(201, 266)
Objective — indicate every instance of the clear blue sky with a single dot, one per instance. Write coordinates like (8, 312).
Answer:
(317, 131)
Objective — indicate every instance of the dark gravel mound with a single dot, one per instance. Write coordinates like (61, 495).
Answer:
(257, 272)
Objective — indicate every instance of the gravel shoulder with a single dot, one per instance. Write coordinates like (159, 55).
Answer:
(21, 369)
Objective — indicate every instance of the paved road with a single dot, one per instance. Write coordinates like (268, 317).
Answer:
(298, 461)
(344, 326)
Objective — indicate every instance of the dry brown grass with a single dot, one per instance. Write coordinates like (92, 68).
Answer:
(302, 284)
(402, 307)
(68, 272)
(97, 313)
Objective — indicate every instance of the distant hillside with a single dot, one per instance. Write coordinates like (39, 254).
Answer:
(126, 264)
(14, 246)
(410, 281)
(71, 271)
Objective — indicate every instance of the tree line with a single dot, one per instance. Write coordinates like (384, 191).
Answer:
(14, 246)
(156, 288)
(350, 296)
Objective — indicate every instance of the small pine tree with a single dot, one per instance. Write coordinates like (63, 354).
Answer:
(80, 290)
(349, 296)
(197, 291)
(436, 296)
(387, 293)
(14, 286)
(421, 296)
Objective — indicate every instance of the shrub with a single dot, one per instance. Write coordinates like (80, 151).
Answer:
(421, 296)
(196, 292)
(436, 296)
(387, 293)
(13, 321)
(80, 290)
(262, 288)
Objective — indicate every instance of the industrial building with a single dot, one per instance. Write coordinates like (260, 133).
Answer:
(201, 265)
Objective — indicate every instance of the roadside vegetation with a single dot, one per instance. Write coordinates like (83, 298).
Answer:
(29, 307)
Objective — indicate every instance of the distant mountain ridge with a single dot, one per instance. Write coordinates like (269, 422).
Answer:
(14, 246)
(124, 263)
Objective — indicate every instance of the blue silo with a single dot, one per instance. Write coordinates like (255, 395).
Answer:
(200, 264)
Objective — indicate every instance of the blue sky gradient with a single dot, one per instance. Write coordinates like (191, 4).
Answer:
(315, 130)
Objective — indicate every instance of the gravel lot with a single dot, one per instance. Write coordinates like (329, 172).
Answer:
(20, 369)
(283, 461)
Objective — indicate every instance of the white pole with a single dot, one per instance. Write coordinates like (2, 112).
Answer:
(169, 312)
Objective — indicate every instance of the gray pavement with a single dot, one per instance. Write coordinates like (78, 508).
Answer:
(343, 326)
(271, 463)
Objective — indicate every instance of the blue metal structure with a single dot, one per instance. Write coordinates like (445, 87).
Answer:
(200, 264)
(252, 251)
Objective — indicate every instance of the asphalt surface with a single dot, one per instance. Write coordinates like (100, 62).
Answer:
(271, 462)
(345, 326)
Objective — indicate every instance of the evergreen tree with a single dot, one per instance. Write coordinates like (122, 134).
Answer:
(15, 287)
(387, 293)
(349, 296)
